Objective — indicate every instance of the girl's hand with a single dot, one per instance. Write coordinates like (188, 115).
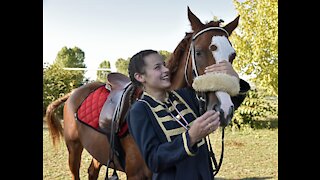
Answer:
(222, 67)
(203, 126)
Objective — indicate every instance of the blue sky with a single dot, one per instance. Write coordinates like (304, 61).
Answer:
(109, 30)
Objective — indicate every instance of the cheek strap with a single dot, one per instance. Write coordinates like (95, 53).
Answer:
(217, 82)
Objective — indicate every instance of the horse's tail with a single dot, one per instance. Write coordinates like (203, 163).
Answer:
(54, 125)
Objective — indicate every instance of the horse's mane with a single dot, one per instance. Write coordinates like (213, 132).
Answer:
(174, 59)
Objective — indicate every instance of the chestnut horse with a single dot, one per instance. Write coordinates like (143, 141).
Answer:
(205, 45)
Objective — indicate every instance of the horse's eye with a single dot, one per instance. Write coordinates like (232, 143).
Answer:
(213, 47)
(198, 53)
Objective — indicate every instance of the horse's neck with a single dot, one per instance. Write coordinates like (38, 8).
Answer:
(176, 84)
(178, 81)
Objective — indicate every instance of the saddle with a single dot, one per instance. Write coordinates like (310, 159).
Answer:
(112, 114)
(119, 86)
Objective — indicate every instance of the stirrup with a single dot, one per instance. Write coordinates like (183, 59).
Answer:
(114, 175)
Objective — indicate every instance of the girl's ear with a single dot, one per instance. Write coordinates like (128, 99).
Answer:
(139, 77)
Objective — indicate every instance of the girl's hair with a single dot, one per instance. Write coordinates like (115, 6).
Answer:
(136, 65)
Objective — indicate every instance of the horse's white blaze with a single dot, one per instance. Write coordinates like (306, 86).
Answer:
(223, 51)
(225, 101)
(224, 48)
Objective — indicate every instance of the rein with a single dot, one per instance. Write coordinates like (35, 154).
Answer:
(201, 96)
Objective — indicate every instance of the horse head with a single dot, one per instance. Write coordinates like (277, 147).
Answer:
(208, 44)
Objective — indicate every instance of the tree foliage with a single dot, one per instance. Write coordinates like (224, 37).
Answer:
(122, 66)
(56, 81)
(256, 42)
(71, 57)
(257, 106)
(102, 75)
(165, 55)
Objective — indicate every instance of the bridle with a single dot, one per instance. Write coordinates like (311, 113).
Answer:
(192, 52)
(201, 96)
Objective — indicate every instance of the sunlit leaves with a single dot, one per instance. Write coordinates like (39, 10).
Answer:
(256, 42)
(122, 66)
(102, 75)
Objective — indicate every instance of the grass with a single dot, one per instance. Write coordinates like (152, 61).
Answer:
(248, 154)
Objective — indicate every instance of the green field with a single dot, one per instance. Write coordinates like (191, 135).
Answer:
(249, 154)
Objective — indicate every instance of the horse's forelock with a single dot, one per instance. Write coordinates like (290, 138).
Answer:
(212, 24)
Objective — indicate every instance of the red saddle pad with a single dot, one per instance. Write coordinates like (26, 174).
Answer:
(90, 108)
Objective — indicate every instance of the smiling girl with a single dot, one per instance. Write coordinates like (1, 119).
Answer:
(166, 124)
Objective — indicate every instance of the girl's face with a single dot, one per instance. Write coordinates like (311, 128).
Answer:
(156, 76)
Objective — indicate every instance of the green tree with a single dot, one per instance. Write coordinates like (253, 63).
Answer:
(256, 42)
(165, 54)
(56, 81)
(71, 57)
(102, 75)
(256, 108)
(122, 66)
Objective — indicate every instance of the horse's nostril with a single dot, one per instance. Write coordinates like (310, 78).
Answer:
(231, 111)
(216, 107)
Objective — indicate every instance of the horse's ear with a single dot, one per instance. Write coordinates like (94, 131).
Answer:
(232, 25)
(195, 22)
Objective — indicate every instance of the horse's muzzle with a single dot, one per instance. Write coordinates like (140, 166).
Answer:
(224, 120)
(218, 101)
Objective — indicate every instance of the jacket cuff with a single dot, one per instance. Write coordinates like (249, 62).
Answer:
(191, 151)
